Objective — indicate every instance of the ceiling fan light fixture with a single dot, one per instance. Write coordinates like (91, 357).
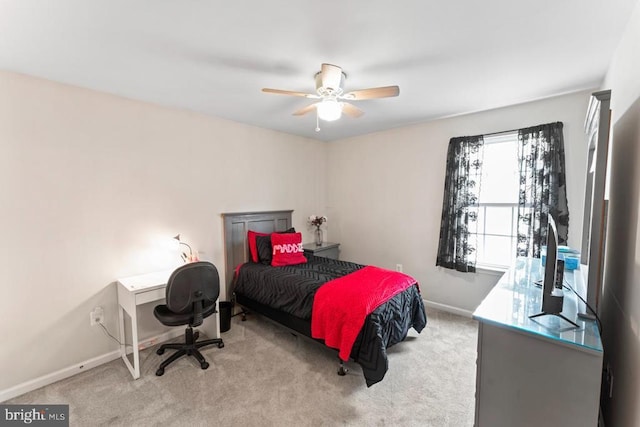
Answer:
(329, 110)
(330, 95)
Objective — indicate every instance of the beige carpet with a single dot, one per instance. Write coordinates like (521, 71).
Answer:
(265, 376)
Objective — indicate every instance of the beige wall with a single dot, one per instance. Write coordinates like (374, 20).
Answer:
(94, 187)
(620, 307)
(385, 192)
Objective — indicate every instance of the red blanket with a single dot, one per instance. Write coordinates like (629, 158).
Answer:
(341, 305)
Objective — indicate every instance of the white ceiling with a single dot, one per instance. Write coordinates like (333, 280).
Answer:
(448, 57)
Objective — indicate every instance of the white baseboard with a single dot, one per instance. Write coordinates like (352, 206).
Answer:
(53, 377)
(449, 309)
(165, 336)
(77, 368)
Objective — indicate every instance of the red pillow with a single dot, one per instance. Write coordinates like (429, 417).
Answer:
(287, 249)
(253, 248)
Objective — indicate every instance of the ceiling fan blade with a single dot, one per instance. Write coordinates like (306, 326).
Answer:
(375, 92)
(305, 110)
(289, 92)
(331, 76)
(351, 110)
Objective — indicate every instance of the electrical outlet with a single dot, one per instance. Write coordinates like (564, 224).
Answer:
(96, 316)
(399, 267)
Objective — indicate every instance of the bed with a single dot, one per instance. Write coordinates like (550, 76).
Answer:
(288, 294)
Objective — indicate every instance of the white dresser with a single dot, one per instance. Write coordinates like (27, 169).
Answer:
(539, 372)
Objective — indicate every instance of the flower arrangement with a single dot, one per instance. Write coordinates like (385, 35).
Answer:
(317, 220)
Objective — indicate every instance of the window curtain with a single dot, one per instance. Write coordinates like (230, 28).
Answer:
(457, 244)
(543, 188)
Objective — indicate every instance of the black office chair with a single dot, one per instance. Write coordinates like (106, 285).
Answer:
(192, 291)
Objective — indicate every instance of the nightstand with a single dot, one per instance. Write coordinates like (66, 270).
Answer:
(327, 249)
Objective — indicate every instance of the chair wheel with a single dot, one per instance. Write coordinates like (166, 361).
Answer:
(220, 344)
(160, 372)
(160, 351)
(204, 365)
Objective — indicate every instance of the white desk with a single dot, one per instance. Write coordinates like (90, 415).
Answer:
(137, 290)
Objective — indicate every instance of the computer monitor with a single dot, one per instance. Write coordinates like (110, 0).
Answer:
(549, 303)
(552, 295)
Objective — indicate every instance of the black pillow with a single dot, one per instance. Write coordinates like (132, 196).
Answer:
(263, 244)
(264, 248)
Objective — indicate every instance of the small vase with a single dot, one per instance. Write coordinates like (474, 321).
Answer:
(319, 236)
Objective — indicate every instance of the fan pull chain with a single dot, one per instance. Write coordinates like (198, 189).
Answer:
(317, 121)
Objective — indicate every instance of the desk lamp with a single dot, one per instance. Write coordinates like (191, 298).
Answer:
(184, 256)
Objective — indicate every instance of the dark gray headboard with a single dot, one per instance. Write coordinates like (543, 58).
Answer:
(236, 225)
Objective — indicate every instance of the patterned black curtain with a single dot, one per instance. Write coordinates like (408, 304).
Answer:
(543, 187)
(456, 249)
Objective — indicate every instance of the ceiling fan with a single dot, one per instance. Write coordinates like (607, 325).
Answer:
(330, 92)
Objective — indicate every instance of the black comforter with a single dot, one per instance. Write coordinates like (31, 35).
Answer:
(290, 289)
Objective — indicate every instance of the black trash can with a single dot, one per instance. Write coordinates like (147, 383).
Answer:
(226, 309)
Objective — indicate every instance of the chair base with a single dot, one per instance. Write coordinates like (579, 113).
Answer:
(189, 348)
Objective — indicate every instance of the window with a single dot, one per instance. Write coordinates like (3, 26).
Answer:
(496, 227)
(498, 190)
